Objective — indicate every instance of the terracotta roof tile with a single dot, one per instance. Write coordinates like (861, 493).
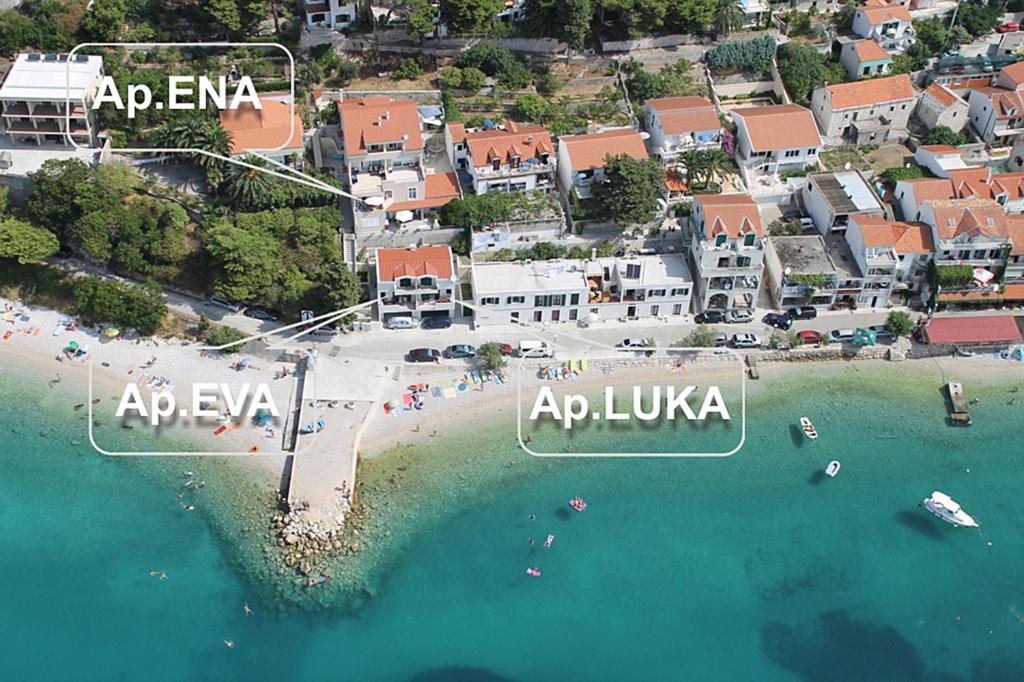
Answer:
(415, 262)
(271, 127)
(377, 120)
(879, 12)
(779, 126)
(589, 151)
(942, 94)
(902, 236)
(526, 141)
(926, 189)
(1008, 103)
(1015, 72)
(941, 149)
(732, 214)
(440, 189)
(871, 92)
(956, 217)
(870, 51)
(1015, 231)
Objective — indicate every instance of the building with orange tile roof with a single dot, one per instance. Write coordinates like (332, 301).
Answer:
(865, 112)
(996, 114)
(940, 106)
(514, 158)
(582, 158)
(677, 124)
(381, 141)
(416, 282)
(775, 138)
(274, 130)
(881, 245)
(335, 14)
(863, 58)
(910, 194)
(971, 232)
(727, 246)
(832, 198)
(888, 24)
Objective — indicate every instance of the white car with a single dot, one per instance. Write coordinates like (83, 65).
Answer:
(840, 335)
(739, 316)
(633, 344)
(746, 341)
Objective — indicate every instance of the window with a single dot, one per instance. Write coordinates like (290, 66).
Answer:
(556, 315)
(812, 152)
(405, 282)
(656, 292)
(790, 153)
(412, 192)
(748, 239)
(743, 261)
(573, 314)
(654, 310)
(496, 163)
(681, 291)
(490, 300)
(677, 309)
(632, 271)
(720, 240)
(394, 146)
(426, 281)
(515, 162)
(515, 316)
(538, 316)
(515, 300)
(549, 300)
(574, 299)
(723, 262)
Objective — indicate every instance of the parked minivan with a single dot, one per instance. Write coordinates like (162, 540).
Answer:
(530, 348)
(400, 323)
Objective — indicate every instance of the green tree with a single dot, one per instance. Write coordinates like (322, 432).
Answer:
(244, 261)
(630, 189)
(899, 323)
(421, 18)
(470, 16)
(497, 62)
(408, 69)
(548, 83)
(490, 356)
(247, 187)
(566, 20)
(943, 135)
(224, 14)
(702, 336)
(957, 36)
(91, 235)
(337, 286)
(222, 334)
(121, 303)
(104, 20)
(473, 78)
(56, 189)
(729, 17)
(932, 34)
(843, 19)
(803, 70)
(26, 242)
(532, 108)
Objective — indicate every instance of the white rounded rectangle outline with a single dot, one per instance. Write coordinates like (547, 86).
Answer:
(191, 453)
(160, 150)
(675, 349)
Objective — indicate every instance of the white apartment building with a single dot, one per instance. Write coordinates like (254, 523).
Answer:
(513, 158)
(330, 13)
(726, 245)
(863, 58)
(384, 165)
(831, 198)
(968, 232)
(415, 282)
(678, 124)
(774, 139)
(865, 112)
(889, 24)
(875, 241)
(582, 158)
(628, 287)
(997, 111)
(45, 97)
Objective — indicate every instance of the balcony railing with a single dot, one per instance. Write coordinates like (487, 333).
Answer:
(523, 169)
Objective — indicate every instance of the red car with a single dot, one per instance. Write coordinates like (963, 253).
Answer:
(1009, 27)
(505, 348)
(810, 338)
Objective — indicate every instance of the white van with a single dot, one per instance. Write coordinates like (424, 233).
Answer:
(400, 323)
(531, 348)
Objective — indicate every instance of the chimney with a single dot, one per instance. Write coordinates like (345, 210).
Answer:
(387, 115)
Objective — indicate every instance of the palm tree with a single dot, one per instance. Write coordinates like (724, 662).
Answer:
(729, 16)
(247, 186)
(715, 160)
(693, 159)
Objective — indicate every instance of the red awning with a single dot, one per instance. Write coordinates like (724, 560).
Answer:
(973, 329)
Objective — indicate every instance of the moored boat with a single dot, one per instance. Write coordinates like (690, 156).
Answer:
(578, 504)
(833, 468)
(808, 428)
(947, 509)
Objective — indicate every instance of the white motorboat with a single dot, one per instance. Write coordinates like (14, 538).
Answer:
(808, 428)
(833, 468)
(947, 509)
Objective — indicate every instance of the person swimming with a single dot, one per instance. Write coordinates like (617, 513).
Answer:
(229, 644)
(246, 609)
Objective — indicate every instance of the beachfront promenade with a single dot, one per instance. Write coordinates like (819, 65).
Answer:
(342, 392)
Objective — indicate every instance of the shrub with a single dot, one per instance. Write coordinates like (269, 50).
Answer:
(742, 54)
(900, 173)
(408, 69)
(120, 303)
(223, 334)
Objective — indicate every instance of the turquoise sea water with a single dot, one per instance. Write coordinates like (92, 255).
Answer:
(747, 568)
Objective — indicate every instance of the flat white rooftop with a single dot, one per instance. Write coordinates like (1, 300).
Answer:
(661, 269)
(552, 275)
(51, 77)
(846, 192)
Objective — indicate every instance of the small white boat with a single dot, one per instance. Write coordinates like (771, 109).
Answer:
(808, 428)
(833, 468)
(947, 509)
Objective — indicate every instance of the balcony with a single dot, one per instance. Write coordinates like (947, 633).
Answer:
(525, 168)
(414, 303)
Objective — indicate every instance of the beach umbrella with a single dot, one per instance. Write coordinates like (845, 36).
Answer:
(374, 201)
(864, 337)
(404, 216)
(72, 346)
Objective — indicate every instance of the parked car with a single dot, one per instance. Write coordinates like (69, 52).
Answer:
(739, 315)
(881, 332)
(505, 348)
(400, 322)
(225, 303)
(778, 321)
(327, 331)
(746, 341)
(436, 322)
(721, 340)
(530, 348)
(258, 313)
(710, 317)
(804, 312)
(840, 335)
(633, 344)
(424, 355)
(809, 337)
(1009, 27)
(460, 350)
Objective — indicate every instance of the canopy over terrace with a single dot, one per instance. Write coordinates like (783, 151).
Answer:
(974, 329)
